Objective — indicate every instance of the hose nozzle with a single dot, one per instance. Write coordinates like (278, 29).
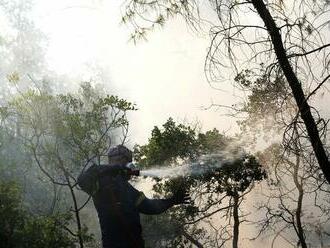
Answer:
(133, 171)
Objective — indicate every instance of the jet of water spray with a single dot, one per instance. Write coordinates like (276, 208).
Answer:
(205, 164)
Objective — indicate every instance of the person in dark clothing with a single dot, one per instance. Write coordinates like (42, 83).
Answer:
(119, 204)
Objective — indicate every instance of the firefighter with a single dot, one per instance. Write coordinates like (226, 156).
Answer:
(119, 204)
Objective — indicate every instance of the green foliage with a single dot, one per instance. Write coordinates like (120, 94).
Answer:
(269, 104)
(212, 141)
(175, 143)
(13, 78)
(237, 176)
(10, 208)
(18, 228)
(71, 128)
(143, 17)
(60, 134)
(3, 113)
(167, 145)
(267, 94)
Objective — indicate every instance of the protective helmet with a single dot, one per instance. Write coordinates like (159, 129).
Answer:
(120, 151)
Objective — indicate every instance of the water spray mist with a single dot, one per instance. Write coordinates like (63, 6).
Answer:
(205, 164)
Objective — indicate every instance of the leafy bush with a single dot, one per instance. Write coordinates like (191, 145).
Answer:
(18, 228)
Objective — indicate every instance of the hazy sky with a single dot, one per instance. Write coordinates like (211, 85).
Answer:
(163, 76)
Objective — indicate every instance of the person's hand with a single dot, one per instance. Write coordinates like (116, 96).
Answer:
(181, 197)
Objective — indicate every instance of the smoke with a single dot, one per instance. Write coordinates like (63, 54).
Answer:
(203, 165)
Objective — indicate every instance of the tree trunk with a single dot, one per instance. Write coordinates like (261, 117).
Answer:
(300, 233)
(236, 220)
(76, 210)
(300, 230)
(295, 86)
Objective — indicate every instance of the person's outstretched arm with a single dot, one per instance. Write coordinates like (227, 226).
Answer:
(157, 206)
(111, 170)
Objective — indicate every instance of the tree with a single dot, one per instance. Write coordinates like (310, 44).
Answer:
(22, 44)
(64, 133)
(167, 145)
(294, 194)
(292, 206)
(219, 191)
(277, 38)
(18, 228)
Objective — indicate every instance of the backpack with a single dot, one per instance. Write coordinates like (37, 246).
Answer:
(88, 180)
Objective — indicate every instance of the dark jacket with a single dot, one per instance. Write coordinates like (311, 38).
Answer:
(118, 205)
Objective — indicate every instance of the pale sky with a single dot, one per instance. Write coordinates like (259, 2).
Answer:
(163, 76)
